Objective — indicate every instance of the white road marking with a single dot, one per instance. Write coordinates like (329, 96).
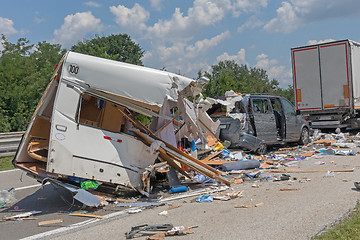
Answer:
(12, 170)
(26, 187)
(73, 226)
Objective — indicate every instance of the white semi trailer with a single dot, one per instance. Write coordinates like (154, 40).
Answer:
(327, 83)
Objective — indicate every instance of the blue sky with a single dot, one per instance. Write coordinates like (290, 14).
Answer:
(188, 36)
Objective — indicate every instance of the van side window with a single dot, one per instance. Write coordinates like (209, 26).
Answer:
(288, 107)
(239, 108)
(261, 106)
(99, 113)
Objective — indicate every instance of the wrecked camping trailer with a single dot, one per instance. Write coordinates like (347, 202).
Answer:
(253, 121)
(87, 124)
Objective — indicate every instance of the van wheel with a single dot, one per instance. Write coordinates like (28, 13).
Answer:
(262, 149)
(304, 136)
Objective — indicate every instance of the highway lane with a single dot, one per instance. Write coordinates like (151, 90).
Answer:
(54, 202)
(15, 178)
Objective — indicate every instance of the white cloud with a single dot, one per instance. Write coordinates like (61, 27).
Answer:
(206, 13)
(240, 6)
(295, 13)
(157, 4)
(133, 19)
(239, 58)
(274, 70)
(172, 52)
(202, 46)
(7, 26)
(286, 21)
(39, 20)
(252, 23)
(174, 41)
(75, 27)
(313, 42)
(182, 57)
(92, 4)
(180, 26)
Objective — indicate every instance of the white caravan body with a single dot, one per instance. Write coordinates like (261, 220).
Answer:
(78, 130)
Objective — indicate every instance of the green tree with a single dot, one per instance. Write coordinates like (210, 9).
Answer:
(228, 75)
(25, 70)
(118, 47)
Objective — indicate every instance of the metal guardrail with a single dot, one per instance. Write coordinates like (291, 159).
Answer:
(9, 143)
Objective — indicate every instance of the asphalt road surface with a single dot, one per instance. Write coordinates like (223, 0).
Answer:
(30, 196)
(318, 203)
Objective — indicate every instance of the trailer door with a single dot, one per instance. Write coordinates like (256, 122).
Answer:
(335, 75)
(306, 74)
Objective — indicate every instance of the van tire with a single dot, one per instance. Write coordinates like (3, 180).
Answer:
(304, 136)
(262, 149)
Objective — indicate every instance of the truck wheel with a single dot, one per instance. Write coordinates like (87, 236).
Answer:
(262, 149)
(304, 136)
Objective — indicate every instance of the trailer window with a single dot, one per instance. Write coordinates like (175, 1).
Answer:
(99, 113)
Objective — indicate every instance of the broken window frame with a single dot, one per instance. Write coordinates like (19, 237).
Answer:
(80, 105)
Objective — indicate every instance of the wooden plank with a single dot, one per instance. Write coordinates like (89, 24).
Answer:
(163, 155)
(217, 174)
(289, 189)
(210, 139)
(288, 149)
(209, 130)
(166, 124)
(210, 156)
(86, 215)
(324, 141)
(49, 222)
(217, 162)
(307, 154)
(205, 151)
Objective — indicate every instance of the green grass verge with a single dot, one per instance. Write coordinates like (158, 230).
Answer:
(348, 229)
(5, 163)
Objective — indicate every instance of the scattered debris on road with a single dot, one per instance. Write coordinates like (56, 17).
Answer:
(50, 222)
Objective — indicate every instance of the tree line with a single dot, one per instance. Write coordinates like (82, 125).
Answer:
(25, 71)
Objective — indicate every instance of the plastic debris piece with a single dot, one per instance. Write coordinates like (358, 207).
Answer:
(148, 227)
(205, 198)
(179, 189)
(203, 179)
(222, 198)
(241, 165)
(140, 204)
(134, 210)
(22, 215)
(329, 174)
(345, 153)
(7, 196)
(164, 213)
(219, 146)
(89, 184)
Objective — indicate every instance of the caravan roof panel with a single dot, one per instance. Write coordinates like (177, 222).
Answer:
(135, 82)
